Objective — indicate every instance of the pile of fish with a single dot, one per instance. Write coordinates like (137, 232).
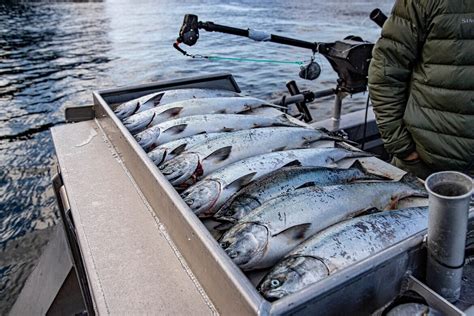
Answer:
(269, 187)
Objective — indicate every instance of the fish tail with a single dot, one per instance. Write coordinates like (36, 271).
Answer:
(413, 182)
(368, 175)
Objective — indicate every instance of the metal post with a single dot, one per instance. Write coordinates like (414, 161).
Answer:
(336, 116)
(449, 196)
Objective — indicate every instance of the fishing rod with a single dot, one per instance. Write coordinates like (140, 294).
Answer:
(349, 58)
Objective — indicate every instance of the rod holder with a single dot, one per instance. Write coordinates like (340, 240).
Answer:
(449, 196)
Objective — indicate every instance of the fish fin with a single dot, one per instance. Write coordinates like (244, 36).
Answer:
(176, 129)
(284, 120)
(359, 166)
(306, 185)
(242, 181)
(227, 129)
(171, 112)
(220, 154)
(294, 163)
(136, 109)
(279, 149)
(355, 151)
(151, 120)
(224, 226)
(412, 181)
(367, 211)
(156, 99)
(178, 150)
(395, 199)
(294, 232)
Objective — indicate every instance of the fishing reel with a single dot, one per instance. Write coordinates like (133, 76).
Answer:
(189, 32)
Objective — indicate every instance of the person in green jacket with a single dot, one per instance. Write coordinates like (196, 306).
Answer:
(421, 83)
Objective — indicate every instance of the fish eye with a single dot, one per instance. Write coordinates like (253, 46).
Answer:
(189, 201)
(275, 283)
(225, 244)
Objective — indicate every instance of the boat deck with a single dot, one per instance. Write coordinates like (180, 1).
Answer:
(131, 263)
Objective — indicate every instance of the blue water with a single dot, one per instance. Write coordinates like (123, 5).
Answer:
(52, 55)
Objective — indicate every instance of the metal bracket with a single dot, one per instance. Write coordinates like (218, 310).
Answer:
(79, 113)
(70, 230)
(432, 298)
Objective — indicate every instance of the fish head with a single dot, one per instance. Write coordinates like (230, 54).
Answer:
(136, 124)
(202, 196)
(245, 243)
(238, 208)
(180, 168)
(126, 109)
(147, 138)
(158, 155)
(291, 275)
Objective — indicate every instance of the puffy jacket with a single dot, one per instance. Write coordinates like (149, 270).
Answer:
(421, 82)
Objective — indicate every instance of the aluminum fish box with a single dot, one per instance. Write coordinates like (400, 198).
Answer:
(137, 247)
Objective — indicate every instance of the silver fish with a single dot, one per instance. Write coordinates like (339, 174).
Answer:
(152, 100)
(146, 119)
(413, 309)
(212, 123)
(340, 246)
(284, 181)
(264, 236)
(206, 196)
(201, 160)
(172, 149)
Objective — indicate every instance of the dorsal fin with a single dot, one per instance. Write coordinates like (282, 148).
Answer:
(359, 166)
(293, 163)
(284, 120)
(279, 149)
(306, 185)
(227, 129)
(156, 99)
(176, 129)
(220, 154)
(171, 112)
(242, 181)
(297, 232)
(367, 211)
(178, 150)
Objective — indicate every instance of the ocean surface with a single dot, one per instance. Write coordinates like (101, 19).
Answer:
(52, 55)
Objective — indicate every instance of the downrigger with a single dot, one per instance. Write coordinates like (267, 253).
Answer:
(349, 57)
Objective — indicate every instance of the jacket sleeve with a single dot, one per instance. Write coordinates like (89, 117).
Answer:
(393, 58)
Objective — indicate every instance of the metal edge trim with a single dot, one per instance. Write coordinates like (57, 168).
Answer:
(235, 276)
(170, 83)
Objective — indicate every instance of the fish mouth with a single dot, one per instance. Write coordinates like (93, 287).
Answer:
(180, 168)
(146, 139)
(273, 295)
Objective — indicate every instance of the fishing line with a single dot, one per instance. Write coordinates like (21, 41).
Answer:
(255, 60)
(272, 61)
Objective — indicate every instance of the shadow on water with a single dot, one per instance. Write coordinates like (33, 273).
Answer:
(53, 54)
